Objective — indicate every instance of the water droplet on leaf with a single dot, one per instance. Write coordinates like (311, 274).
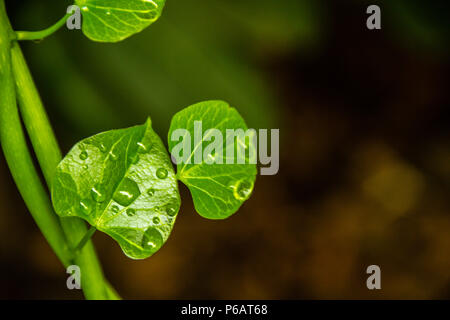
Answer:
(171, 210)
(103, 148)
(83, 155)
(131, 212)
(243, 190)
(86, 206)
(115, 209)
(152, 240)
(151, 192)
(98, 193)
(127, 192)
(162, 173)
(156, 220)
(143, 147)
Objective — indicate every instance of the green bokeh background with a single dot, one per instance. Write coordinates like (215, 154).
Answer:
(364, 174)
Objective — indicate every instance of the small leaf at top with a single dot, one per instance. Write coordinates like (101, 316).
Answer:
(121, 182)
(116, 20)
(219, 183)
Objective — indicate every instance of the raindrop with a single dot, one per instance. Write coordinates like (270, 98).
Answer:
(86, 206)
(243, 189)
(131, 212)
(151, 192)
(156, 220)
(83, 155)
(143, 147)
(171, 210)
(98, 193)
(103, 148)
(127, 192)
(152, 240)
(162, 173)
(115, 209)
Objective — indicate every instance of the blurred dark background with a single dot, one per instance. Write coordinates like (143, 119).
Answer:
(365, 147)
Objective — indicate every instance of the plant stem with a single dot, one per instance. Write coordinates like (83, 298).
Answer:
(85, 239)
(39, 35)
(16, 152)
(48, 154)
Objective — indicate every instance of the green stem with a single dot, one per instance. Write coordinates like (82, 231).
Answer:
(85, 239)
(16, 152)
(39, 35)
(48, 154)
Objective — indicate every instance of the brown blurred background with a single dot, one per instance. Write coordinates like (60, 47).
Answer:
(365, 147)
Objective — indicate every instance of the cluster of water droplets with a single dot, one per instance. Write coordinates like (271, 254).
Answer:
(127, 192)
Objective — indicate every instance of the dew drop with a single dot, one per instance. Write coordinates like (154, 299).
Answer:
(131, 212)
(83, 155)
(103, 148)
(115, 209)
(143, 147)
(171, 209)
(98, 193)
(162, 173)
(86, 206)
(127, 192)
(151, 192)
(108, 13)
(152, 240)
(85, 167)
(156, 220)
(243, 189)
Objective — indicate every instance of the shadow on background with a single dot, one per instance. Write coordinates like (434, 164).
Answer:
(364, 175)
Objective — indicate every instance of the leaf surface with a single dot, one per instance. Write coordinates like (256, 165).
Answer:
(116, 20)
(218, 189)
(123, 183)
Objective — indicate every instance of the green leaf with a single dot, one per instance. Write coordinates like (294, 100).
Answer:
(116, 20)
(218, 189)
(121, 182)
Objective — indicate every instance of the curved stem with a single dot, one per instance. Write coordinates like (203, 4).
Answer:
(21, 164)
(85, 239)
(16, 152)
(49, 156)
(39, 35)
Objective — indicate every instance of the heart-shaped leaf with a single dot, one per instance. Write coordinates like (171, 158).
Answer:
(116, 20)
(121, 182)
(219, 183)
